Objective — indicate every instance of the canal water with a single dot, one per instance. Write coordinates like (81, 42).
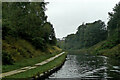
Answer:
(90, 67)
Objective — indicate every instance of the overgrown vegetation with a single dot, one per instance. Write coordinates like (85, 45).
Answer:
(26, 32)
(31, 61)
(87, 35)
(96, 38)
(111, 47)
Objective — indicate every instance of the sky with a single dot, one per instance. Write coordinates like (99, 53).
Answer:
(67, 15)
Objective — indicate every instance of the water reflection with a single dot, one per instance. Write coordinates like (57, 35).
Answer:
(86, 66)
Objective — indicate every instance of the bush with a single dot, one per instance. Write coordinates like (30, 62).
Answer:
(39, 43)
(6, 58)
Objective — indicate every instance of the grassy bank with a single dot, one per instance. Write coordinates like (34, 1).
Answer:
(26, 62)
(33, 72)
(24, 54)
(99, 49)
(102, 48)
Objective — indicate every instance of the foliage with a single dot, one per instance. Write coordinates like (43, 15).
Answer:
(114, 20)
(6, 58)
(24, 53)
(87, 35)
(111, 45)
(28, 21)
(96, 38)
(39, 43)
(61, 43)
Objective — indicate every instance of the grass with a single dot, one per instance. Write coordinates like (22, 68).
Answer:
(98, 49)
(102, 48)
(24, 53)
(113, 52)
(30, 73)
(26, 62)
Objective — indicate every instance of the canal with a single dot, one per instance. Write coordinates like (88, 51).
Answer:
(90, 67)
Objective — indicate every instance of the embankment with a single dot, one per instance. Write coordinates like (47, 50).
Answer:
(21, 53)
(101, 48)
(40, 72)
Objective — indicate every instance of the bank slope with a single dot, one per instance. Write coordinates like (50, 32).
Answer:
(42, 69)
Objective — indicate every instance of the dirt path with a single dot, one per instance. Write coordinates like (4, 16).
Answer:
(29, 67)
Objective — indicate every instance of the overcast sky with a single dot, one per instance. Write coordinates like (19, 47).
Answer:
(67, 15)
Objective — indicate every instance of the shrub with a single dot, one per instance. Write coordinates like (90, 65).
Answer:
(39, 43)
(6, 58)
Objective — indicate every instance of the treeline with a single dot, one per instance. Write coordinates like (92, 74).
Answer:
(87, 35)
(27, 20)
(90, 34)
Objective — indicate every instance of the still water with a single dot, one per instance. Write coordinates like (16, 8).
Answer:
(86, 66)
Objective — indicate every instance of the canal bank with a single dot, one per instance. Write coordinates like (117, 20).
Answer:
(41, 70)
(46, 74)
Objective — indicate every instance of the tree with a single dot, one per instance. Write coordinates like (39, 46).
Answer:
(87, 35)
(114, 20)
(28, 21)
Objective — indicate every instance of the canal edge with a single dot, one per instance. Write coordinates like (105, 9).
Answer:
(45, 75)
